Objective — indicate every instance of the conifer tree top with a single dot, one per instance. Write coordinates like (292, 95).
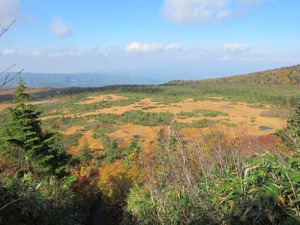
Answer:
(20, 96)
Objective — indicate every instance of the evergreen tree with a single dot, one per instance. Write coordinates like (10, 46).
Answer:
(112, 152)
(20, 96)
(36, 149)
(85, 152)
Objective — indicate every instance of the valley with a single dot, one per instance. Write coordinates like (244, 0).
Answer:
(124, 142)
(189, 113)
(168, 112)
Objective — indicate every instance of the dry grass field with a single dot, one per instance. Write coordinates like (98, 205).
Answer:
(232, 117)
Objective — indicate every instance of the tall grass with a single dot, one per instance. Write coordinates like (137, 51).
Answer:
(220, 178)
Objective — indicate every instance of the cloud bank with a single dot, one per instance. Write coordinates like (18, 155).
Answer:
(61, 28)
(8, 52)
(137, 47)
(186, 12)
(173, 47)
(237, 47)
(8, 11)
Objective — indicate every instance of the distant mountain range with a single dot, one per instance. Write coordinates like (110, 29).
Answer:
(60, 80)
(282, 76)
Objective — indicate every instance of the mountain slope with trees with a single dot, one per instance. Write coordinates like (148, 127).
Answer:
(283, 76)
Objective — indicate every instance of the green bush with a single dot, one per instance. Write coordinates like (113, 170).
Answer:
(229, 190)
(72, 140)
(203, 123)
(291, 134)
(146, 119)
(26, 201)
(267, 193)
(201, 112)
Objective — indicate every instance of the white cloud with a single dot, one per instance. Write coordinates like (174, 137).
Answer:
(223, 15)
(190, 57)
(183, 12)
(61, 28)
(8, 11)
(137, 47)
(237, 47)
(65, 54)
(8, 52)
(173, 47)
(225, 58)
(36, 53)
(209, 49)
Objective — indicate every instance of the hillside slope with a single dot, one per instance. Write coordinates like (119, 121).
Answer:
(282, 76)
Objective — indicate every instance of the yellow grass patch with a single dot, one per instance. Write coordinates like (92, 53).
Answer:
(141, 105)
(114, 110)
(3, 106)
(148, 136)
(144, 135)
(194, 134)
(44, 102)
(239, 113)
(94, 99)
(94, 143)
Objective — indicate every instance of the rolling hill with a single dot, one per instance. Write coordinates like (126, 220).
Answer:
(283, 76)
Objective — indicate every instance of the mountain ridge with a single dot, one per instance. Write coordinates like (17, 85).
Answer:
(275, 77)
(64, 80)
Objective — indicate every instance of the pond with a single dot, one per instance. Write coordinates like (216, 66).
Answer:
(265, 128)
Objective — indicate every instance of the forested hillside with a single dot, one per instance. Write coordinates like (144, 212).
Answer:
(282, 76)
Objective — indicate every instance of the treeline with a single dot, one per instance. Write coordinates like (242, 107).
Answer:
(235, 91)
(56, 92)
(285, 95)
(106, 89)
(286, 76)
(279, 95)
(283, 76)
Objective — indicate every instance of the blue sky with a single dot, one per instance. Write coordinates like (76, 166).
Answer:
(186, 39)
